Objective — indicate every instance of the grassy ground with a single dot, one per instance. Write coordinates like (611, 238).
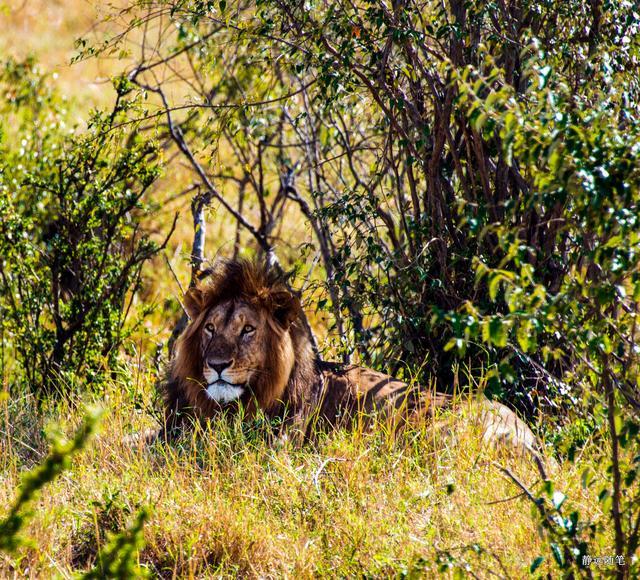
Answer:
(228, 501)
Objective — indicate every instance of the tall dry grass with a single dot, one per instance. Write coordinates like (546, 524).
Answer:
(229, 500)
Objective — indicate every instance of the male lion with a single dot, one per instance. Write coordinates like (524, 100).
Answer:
(247, 347)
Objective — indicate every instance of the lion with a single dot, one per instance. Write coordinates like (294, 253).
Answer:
(246, 348)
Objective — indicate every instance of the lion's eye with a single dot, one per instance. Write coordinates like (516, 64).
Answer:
(248, 329)
(208, 327)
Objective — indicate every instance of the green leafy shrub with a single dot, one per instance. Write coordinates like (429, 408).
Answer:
(71, 238)
(579, 331)
(407, 184)
(471, 178)
(118, 558)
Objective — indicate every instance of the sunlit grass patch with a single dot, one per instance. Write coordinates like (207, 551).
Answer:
(231, 499)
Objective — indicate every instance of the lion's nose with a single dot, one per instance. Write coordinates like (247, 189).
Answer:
(219, 366)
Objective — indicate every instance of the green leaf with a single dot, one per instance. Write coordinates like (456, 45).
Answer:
(587, 477)
(557, 555)
(605, 344)
(450, 344)
(494, 286)
(536, 564)
(479, 122)
(495, 331)
(523, 335)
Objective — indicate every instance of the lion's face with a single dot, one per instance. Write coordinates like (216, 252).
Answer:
(230, 339)
(238, 347)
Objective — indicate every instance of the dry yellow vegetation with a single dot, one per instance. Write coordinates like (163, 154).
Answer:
(48, 30)
(226, 501)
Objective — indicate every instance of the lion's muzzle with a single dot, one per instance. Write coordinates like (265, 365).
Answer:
(221, 386)
(224, 392)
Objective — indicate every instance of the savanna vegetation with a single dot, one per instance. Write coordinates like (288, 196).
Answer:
(454, 188)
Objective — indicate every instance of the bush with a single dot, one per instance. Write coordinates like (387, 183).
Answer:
(361, 114)
(580, 333)
(71, 236)
(117, 559)
(57, 461)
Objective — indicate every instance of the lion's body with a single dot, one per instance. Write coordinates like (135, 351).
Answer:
(247, 347)
(350, 391)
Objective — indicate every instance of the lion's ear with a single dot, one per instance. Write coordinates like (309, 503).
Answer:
(287, 308)
(193, 302)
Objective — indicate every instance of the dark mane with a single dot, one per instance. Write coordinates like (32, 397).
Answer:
(251, 281)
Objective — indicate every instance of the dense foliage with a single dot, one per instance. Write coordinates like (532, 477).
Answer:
(71, 242)
(469, 172)
(372, 121)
